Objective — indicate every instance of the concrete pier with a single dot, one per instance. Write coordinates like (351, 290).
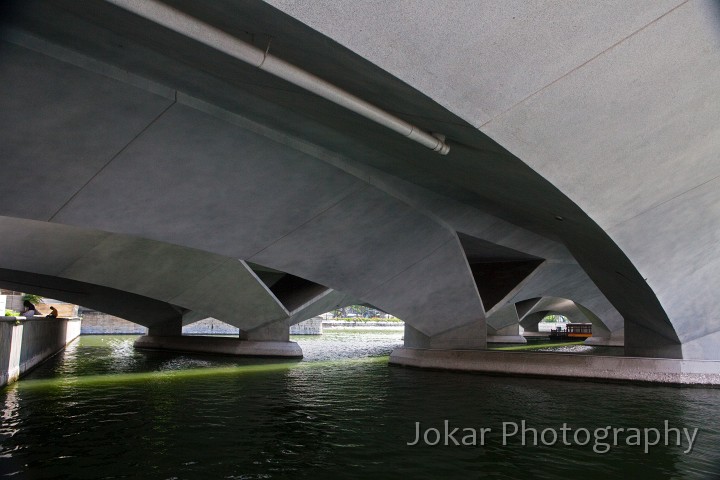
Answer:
(220, 346)
(25, 343)
(568, 366)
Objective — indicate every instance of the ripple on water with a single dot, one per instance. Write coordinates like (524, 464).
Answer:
(103, 410)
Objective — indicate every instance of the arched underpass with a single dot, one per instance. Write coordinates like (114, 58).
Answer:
(150, 171)
(135, 130)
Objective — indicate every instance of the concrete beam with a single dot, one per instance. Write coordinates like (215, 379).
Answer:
(564, 366)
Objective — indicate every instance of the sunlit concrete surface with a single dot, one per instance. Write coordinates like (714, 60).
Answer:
(669, 371)
(27, 342)
(175, 182)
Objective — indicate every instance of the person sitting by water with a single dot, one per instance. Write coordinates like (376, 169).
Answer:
(29, 311)
(53, 312)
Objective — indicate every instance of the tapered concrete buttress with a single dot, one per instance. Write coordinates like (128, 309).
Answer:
(504, 326)
(278, 331)
(469, 336)
(169, 328)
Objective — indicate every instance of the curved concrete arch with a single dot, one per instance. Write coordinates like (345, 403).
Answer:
(183, 280)
(567, 281)
(535, 310)
(640, 165)
(265, 202)
(503, 325)
(192, 283)
(173, 142)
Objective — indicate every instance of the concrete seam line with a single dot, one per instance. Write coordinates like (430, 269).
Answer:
(424, 257)
(217, 39)
(112, 159)
(354, 190)
(26, 40)
(570, 72)
(661, 203)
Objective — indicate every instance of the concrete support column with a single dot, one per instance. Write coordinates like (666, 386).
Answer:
(643, 342)
(530, 322)
(277, 332)
(270, 340)
(167, 328)
(508, 334)
(504, 326)
(470, 336)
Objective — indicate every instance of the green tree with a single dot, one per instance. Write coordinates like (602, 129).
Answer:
(32, 298)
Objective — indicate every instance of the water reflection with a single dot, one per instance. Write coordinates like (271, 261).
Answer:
(103, 410)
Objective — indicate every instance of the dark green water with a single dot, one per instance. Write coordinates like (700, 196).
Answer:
(103, 410)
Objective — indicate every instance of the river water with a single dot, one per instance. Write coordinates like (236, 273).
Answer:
(103, 410)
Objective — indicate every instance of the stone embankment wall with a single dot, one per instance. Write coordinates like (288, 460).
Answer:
(97, 323)
(210, 326)
(334, 324)
(312, 326)
(24, 343)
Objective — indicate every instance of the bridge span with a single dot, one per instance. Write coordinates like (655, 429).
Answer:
(152, 173)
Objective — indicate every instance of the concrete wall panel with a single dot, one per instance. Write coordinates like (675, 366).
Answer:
(39, 154)
(205, 183)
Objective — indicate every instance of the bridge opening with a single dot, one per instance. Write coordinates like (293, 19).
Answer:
(496, 269)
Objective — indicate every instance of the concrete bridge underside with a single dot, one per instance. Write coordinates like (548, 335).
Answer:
(154, 177)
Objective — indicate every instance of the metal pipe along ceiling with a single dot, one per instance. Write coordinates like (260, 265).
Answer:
(191, 27)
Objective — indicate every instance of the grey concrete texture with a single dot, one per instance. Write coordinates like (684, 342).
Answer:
(217, 169)
(621, 118)
(468, 336)
(245, 166)
(373, 237)
(662, 83)
(278, 331)
(64, 99)
(476, 58)
(443, 282)
(140, 280)
(330, 300)
(505, 317)
(684, 229)
(566, 366)
(168, 274)
(109, 207)
(165, 211)
(26, 343)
